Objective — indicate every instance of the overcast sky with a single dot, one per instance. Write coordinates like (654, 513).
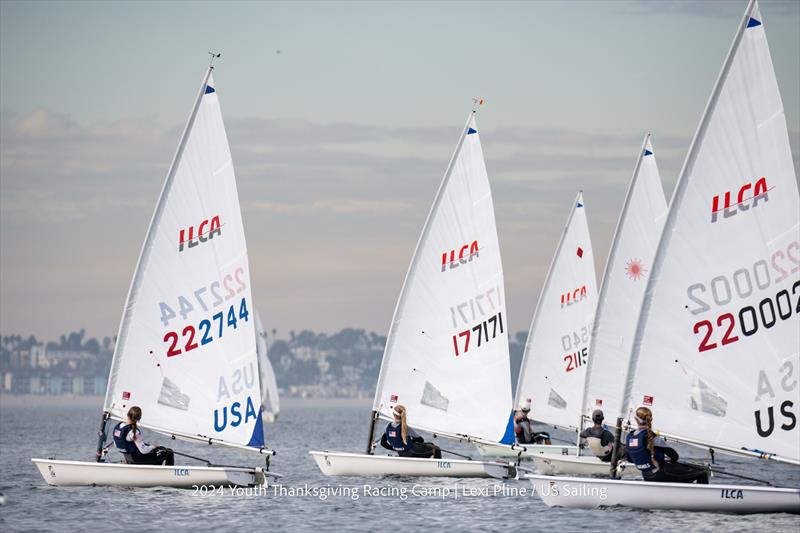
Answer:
(341, 119)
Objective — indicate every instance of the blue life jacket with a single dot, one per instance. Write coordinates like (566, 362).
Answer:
(394, 436)
(121, 431)
(639, 453)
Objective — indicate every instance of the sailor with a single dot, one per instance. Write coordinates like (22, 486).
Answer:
(599, 439)
(650, 453)
(404, 440)
(128, 440)
(523, 427)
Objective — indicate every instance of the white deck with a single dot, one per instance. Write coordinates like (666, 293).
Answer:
(572, 465)
(588, 493)
(359, 464)
(82, 473)
(524, 451)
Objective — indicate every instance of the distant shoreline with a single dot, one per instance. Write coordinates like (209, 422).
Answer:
(44, 400)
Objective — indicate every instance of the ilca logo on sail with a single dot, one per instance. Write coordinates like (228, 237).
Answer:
(750, 195)
(205, 231)
(465, 254)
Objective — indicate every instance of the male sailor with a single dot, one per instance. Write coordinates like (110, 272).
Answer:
(599, 439)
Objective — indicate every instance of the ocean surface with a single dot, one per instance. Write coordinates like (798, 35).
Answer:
(66, 429)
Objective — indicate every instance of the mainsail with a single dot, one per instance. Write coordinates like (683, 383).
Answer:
(186, 350)
(717, 346)
(627, 269)
(446, 356)
(269, 386)
(554, 362)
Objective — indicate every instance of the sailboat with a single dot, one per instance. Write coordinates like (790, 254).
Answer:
(554, 362)
(186, 348)
(621, 291)
(716, 351)
(446, 356)
(270, 401)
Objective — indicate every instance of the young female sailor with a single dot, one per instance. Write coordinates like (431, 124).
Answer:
(649, 453)
(128, 440)
(404, 440)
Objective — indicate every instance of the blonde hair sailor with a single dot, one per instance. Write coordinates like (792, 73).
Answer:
(404, 440)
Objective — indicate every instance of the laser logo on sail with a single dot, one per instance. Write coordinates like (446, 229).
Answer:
(189, 238)
(749, 195)
(465, 255)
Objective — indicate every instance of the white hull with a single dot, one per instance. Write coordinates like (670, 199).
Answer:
(81, 473)
(531, 450)
(359, 464)
(587, 493)
(571, 465)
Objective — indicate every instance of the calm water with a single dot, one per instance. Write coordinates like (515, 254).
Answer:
(68, 432)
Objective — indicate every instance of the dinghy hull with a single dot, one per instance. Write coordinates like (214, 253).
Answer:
(587, 493)
(531, 450)
(355, 464)
(571, 465)
(82, 473)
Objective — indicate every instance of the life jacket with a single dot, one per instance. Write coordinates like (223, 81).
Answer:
(639, 453)
(394, 436)
(595, 438)
(526, 436)
(596, 445)
(121, 441)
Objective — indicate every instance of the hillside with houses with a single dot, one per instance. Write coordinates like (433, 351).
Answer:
(344, 364)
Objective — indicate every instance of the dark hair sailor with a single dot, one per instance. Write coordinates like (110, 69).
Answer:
(129, 442)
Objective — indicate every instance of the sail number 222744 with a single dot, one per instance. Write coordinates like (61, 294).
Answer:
(207, 330)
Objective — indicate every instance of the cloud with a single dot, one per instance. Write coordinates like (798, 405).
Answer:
(376, 207)
(320, 202)
(711, 8)
(41, 124)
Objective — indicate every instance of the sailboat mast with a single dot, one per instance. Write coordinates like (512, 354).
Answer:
(604, 283)
(677, 195)
(413, 266)
(146, 246)
(101, 436)
(370, 445)
(540, 301)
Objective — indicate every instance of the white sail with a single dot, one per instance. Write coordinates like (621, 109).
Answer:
(556, 353)
(186, 350)
(446, 356)
(717, 347)
(269, 386)
(622, 289)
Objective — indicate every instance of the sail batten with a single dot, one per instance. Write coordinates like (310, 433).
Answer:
(446, 357)
(717, 350)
